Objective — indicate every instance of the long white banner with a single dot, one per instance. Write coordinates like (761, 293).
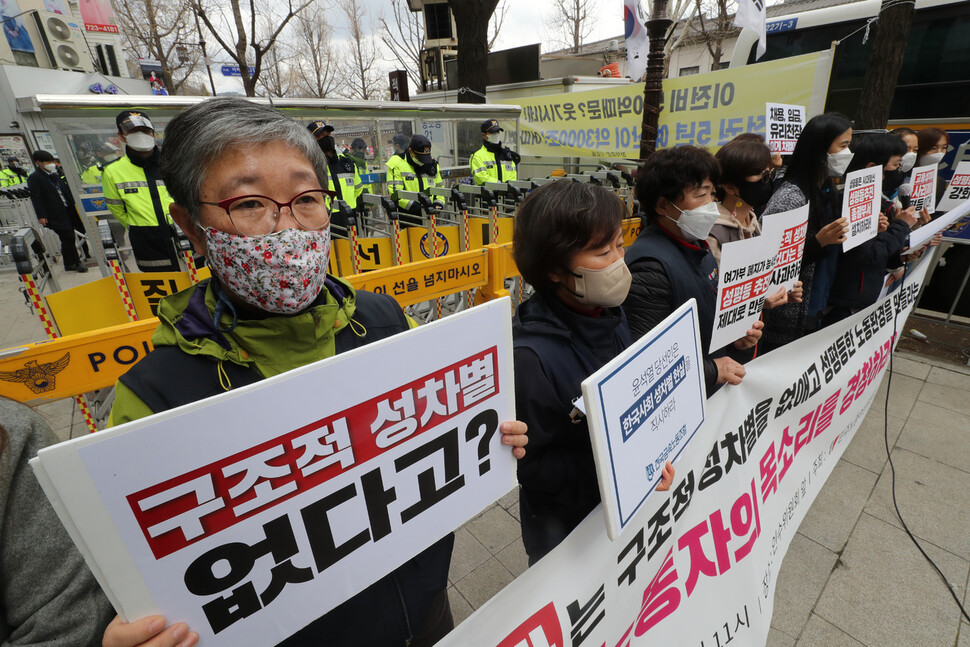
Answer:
(699, 565)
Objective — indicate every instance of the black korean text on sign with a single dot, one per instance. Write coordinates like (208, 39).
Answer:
(199, 504)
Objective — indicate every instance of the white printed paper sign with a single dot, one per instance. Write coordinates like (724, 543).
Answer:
(742, 285)
(699, 565)
(923, 182)
(923, 235)
(958, 190)
(791, 228)
(253, 513)
(860, 205)
(783, 126)
(643, 408)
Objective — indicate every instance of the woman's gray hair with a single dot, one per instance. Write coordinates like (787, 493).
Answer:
(200, 134)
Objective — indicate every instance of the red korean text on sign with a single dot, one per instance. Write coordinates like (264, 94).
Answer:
(187, 508)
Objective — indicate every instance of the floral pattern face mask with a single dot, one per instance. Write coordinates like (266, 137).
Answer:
(282, 272)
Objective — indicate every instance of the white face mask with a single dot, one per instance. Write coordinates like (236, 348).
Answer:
(839, 162)
(605, 288)
(929, 160)
(494, 138)
(907, 162)
(50, 168)
(697, 223)
(141, 142)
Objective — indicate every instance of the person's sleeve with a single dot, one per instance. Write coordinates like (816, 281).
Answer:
(35, 198)
(878, 252)
(395, 183)
(49, 597)
(112, 199)
(358, 187)
(715, 246)
(650, 299)
(478, 168)
(127, 406)
(551, 467)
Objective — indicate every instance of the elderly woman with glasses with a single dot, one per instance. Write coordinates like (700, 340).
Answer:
(247, 184)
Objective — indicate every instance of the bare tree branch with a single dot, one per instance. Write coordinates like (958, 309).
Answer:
(573, 21)
(403, 35)
(362, 79)
(154, 29)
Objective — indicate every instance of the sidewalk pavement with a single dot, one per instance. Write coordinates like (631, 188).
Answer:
(851, 577)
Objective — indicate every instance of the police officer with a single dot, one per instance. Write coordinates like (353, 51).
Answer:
(341, 170)
(416, 172)
(13, 174)
(493, 162)
(136, 196)
(104, 156)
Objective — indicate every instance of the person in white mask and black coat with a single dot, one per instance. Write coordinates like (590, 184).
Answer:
(671, 261)
(568, 245)
(821, 155)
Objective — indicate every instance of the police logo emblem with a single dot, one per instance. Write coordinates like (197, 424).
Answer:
(39, 378)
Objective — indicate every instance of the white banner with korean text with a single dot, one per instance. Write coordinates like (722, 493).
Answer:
(253, 513)
(699, 565)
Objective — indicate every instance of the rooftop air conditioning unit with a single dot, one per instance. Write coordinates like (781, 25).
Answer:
(63, 43)
(439, 25)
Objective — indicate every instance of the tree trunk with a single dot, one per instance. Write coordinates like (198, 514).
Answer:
(653, 88)
(471, 19)
(885, 61)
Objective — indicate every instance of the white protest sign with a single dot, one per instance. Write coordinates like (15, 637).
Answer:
(923, 183)
(742, 285)
(253, 513)
(791, 228)
(643, 408)
(860, 205)
(923, 235)
(699, 565)
(783, 126)
(958, 190)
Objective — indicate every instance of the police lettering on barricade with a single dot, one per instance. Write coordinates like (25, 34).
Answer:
(699, 565)
(643, 408)
(860, 205)
(253, 513)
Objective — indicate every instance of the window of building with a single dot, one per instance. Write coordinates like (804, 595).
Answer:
(687, 71)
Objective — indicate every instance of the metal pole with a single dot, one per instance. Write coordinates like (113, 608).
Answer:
(205, 57)
(653, 88)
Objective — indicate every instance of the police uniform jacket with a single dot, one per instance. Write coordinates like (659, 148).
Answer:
(494, 163)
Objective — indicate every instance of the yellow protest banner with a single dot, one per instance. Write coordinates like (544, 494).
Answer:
(429, 279)
(702, 109)
(74, 364)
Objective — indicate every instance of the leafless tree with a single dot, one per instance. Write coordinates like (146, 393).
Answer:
(681, 12)
(278, 78)
(714, 23)
(496, 22)
(162, 30)
(360, 66)
(573, 22)
(403, 35)
(230, 32)
(314, 63)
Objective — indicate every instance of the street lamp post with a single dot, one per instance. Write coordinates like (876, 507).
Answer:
(653, 88)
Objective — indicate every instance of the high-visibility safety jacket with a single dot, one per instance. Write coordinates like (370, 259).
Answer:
(402, 176)
(9, 177)
(135, 194)
(344, 179)
(486, 168)
(92, 174)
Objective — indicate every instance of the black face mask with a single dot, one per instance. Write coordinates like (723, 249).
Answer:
(326, 144)
(756, 194)
(891, 181)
